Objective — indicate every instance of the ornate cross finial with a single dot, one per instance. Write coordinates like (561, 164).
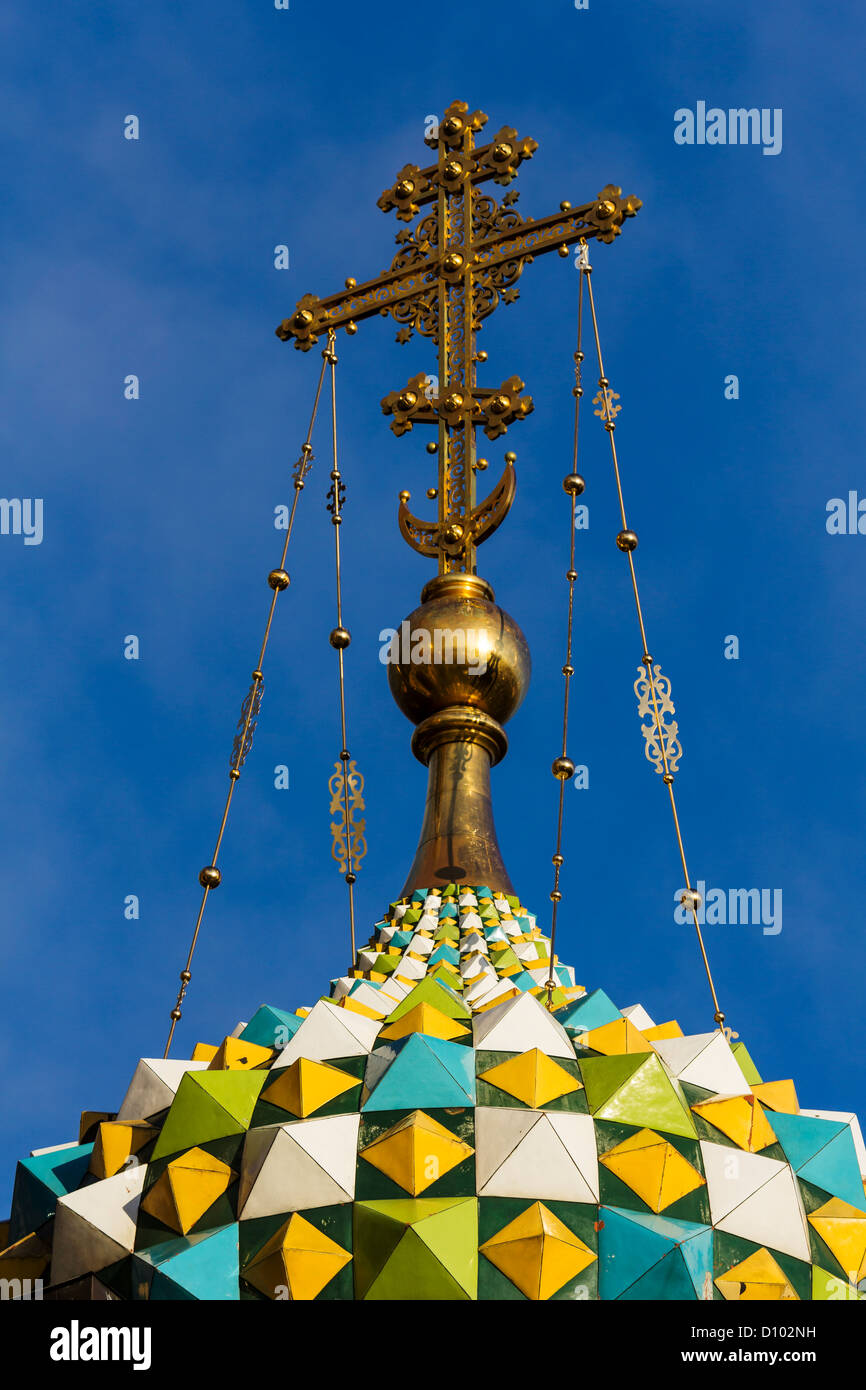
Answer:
(451, 271)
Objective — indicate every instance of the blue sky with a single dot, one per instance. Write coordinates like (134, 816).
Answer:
(260, 127)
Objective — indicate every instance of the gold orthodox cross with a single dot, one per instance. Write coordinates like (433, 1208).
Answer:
(450, 272)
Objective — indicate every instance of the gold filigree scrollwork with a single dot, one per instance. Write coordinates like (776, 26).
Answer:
(495, 285)
(336, 499)
(604, 399)
(348, 843)
(246, 726)
(661, 738)
(488, 216)
(417, 249)
(416, 244)
(303, 465)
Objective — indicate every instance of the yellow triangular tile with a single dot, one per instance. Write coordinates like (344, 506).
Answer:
(660, 1031)
(778, 1095)
(741, 1118)
(613, 1039)
(500, 999)
(234, 1054)
(425, 1018)
(297, 1262)
(843, 1229)
(204, 1052)
(533, 1078)
(189, 1185)
(653, 1168)
(303, 1087)
(759, 1277)
(416, 1152)
(538, 1252)
(354, 1006)
(27, 1258)
(116, 1142)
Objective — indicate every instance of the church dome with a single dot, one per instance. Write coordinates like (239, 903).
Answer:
(430, 1130)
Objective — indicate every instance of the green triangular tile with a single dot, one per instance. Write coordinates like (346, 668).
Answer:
(602, 1076)
(650, 1098)
(431, 991)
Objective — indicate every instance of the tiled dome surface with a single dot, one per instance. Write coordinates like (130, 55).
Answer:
(432, 1131)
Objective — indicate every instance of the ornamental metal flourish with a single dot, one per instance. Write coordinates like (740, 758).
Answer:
(246, 726)
(661, 739)
(349, 844)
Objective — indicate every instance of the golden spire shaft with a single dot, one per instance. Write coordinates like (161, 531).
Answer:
(453, 268)
(210, 876)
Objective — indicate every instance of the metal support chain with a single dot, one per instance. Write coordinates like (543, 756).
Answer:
(346, 784)
(563, 767)
(653, 689)
(210, 876)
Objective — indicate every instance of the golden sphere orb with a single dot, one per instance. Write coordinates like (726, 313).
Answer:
(510, 457)
(573, 484)
(626, 541)
(461, 649)
(351, 283)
